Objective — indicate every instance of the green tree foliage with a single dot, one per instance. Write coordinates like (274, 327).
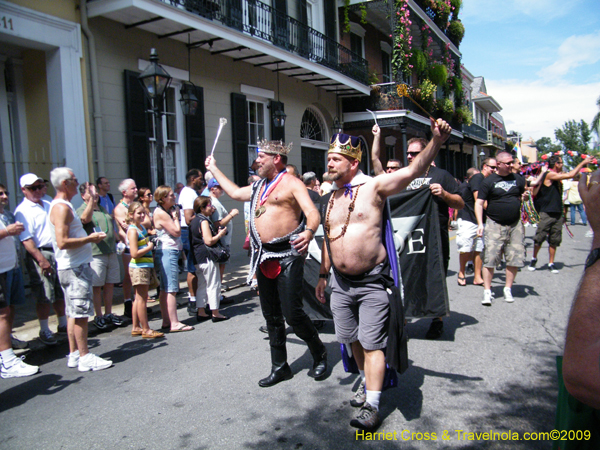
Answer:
(573, 139)
(545, 145)
(596, 120)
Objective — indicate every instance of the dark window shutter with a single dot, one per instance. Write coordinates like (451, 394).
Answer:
(195, 134)
(280, 24)
(303, 44)
(138, 150)
(277, 133)
(239, 129)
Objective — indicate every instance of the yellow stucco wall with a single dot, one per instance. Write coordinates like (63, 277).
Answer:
(64, 9)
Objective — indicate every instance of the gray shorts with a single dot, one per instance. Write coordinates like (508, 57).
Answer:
(360, 313)
(503, 238)
(77, 287)
(45, 289)
(106, 269)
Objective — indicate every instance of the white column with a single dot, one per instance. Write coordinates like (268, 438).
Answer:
(7, 171)
(65, 99)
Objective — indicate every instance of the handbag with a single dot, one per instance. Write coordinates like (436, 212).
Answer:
(247, 243)
(218, 252)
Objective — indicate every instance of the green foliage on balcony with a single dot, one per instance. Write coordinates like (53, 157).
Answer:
(418, 61)
(456, 31)
(438, 74)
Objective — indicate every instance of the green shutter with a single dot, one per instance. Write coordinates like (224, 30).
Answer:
(195, 134)
(239, 130)
(136, 119)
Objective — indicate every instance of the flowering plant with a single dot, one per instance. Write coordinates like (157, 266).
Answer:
(402, 50)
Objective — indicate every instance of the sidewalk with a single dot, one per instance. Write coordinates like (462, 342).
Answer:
(27, 327)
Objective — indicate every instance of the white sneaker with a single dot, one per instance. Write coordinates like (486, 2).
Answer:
(553, 268)
(508, 297)
(73, 359)
(18, 369)
(488, 296)
(93, 363)
(590, 233)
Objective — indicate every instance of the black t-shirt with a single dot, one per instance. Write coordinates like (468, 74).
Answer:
(199, 252)
(315, 197)
(503, 195)
(468, 212)
(475, 184)
(449, 184)
(549, 198)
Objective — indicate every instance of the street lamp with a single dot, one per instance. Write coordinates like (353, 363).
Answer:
(278, 116)
(337, 126)
(188, 101)
(155, 81)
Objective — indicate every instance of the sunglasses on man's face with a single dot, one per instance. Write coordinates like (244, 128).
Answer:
(35, 188)
(413, 154)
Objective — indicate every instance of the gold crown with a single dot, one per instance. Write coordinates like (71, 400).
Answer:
(274, 147)
(345, 148)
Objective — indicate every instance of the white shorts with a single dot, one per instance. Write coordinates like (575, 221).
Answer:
(466, 237)
(106, 269)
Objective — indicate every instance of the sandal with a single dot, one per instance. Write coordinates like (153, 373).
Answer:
(152, 334)
(464, 281)
(181, 328)
(136, 332)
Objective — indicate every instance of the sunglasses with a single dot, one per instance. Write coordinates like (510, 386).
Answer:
(413, 154)
(4, 193)
(492, 167)
(35, 188)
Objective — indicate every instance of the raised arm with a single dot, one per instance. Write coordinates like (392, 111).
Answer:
(376, 151)
(565, 176)
(393, 183)
(230, 188)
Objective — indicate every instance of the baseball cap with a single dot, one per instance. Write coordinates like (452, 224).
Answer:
(212, 183)
(28, 179)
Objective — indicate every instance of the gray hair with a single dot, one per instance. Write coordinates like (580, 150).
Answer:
(123, 185)
(308, 178)
(60, 174)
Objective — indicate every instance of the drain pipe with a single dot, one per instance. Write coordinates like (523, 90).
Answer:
(98, 129)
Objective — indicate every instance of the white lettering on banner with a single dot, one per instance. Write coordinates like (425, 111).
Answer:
(403, 229)
(412, 241)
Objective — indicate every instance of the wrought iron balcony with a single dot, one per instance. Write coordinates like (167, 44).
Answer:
(475, 131)
(265, 22)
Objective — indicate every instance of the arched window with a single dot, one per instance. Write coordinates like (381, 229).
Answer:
(312, 126)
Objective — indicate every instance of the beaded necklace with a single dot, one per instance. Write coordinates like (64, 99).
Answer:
(350, 209)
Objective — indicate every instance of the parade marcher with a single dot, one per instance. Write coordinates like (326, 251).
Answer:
(12, 291)
(40, 261)
(444, 188)
(105, 263)
(73, 250)
(503, 230)
(467, 240)
(576, 202)
(488, 167)
(360, 299)
(278, 201)
(548, 203)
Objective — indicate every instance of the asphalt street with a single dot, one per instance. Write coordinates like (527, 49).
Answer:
(493, 370)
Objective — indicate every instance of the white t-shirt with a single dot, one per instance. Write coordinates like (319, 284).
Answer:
(219, 214)
(186, 200)
(33, 217)
(8, 261)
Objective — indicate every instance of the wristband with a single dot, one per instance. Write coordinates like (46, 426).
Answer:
(324, 275)
(311, 230)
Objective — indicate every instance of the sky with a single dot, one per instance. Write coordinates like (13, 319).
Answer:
(540, 59)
